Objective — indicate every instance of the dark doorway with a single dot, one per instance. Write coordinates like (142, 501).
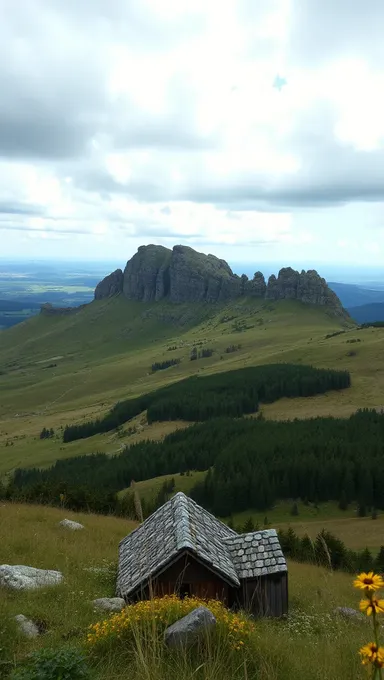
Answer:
(185, 590)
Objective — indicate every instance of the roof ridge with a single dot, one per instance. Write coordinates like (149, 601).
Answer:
(182, 523)
(189, 501)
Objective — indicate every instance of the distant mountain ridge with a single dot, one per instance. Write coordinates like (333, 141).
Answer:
(367, 313)
(182, 274)
(354, 295)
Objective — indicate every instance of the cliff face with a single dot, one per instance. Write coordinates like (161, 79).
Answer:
(184, 275)
(111, 285)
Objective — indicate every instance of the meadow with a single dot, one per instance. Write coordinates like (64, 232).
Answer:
(59, 370)
(64, 370)
(311, 644)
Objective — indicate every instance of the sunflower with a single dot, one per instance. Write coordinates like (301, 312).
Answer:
(368, 582)
(372, 605)
(371, 653)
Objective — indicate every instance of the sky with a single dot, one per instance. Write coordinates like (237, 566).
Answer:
(253, 130)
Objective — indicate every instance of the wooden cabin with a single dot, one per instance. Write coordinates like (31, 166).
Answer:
(181, 548)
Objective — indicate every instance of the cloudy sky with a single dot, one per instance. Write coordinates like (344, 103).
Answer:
(253, 129)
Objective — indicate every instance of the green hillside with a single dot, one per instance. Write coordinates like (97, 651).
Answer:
(58, 370)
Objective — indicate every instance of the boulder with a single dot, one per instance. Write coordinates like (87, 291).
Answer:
(349, 613)
(26, 626)
(70, 524)
(186, 630)
(21, 577)
(110, 604)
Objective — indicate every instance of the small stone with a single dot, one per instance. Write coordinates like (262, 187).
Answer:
(26, 626)
(109, 604)
(185, 630)
(349, 613)
(70, 524)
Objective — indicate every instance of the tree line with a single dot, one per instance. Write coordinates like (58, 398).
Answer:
(162, 365)
(329, 551)
(251, 464)
(231, 394)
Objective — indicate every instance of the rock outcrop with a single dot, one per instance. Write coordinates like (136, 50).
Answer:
(110, 286)
(195, 277)
(146, 274)
(49, 310)
(183, 275)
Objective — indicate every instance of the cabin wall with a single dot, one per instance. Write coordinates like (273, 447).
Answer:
(187, 576)
(263, 596)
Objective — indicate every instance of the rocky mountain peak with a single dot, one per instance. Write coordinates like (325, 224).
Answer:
(183, 275)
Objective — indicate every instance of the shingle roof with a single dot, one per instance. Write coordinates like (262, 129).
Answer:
(181, 524)
(256, 554)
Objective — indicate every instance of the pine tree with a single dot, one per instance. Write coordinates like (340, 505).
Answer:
(249, 526)
(379, 564)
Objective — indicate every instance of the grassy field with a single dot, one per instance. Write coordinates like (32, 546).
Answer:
(356, 532)
(149, 488)
(59, 370)
(311, 644)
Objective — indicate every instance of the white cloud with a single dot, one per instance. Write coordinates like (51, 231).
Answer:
(127, 123)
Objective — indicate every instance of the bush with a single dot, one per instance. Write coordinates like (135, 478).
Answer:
(53, 664)
(150, 618)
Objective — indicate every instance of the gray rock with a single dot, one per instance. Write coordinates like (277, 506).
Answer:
(110, 604)
(21, 577)
(349, 613)
(195, 277)
(257, 287)
(184, 275)
(26, 626)
(189, 627)
(146, 274)
(110, 286)
(69, 524)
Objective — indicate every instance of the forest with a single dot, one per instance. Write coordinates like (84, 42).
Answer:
(230, 394)
(251, 464)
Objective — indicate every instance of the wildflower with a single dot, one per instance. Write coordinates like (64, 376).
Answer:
(372, 605)
(369, 582)
(371, 653)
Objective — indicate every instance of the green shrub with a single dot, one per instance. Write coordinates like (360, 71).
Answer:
(53, 664)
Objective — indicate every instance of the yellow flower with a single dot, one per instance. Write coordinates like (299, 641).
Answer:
(368, 582)
(371, 653)
(372, 605)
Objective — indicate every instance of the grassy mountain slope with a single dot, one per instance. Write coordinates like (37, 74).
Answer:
(63, 369)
